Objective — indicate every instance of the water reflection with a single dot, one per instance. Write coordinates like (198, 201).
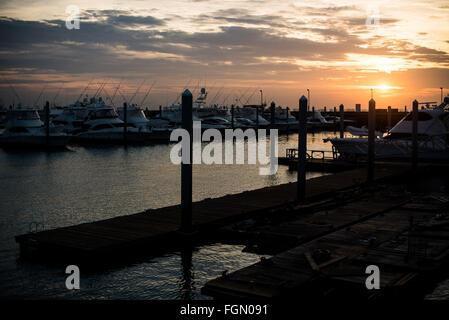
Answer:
(187, 283)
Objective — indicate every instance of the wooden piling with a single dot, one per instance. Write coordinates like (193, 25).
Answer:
(257, 118)
(125, 120)
(47, 123)
(232, 116)
(186, 168)
(389, 118)
(302, 150)
(371, 128)
(272, 111)
(415, 136)
(342, 121)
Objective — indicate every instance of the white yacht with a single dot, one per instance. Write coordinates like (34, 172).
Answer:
(215, 123)
(103, 124)
(173, 113)
(433, 137)
(316, 120)
(24, 128)
(283, 119)
(135, 116)
(240, 122)
(250, 112)
(72, 118)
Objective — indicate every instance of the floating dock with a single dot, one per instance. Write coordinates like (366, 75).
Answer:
(155, 231)
(405, 235)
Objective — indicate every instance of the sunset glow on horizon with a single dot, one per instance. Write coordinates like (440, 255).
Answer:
(340, 50)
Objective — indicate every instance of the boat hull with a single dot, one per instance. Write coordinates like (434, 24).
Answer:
(387, 149)
(41, 141)
(119, 138)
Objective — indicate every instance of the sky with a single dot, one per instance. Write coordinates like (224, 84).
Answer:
(339, 50)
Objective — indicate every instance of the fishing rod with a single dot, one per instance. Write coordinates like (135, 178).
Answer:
(82, 92)
(39, 96)
(148, 92)
(179, 95)
(244, 94)
(217, 95)
(108, 96)
(100, 88)
(12, 89)
(57, 94)
(137, 90)
(123, 97)
(116, 89)
(252, 94)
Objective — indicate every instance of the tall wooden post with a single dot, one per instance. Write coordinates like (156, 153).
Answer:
(389, 118)
(125, 120)
(415, 136)
(272, 113)
(186, 168)
(47, 123)
(257, 118)
(342, 121)
(302, 150)
(371, 129)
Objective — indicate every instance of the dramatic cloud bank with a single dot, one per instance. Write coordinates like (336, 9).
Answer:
(235, 47)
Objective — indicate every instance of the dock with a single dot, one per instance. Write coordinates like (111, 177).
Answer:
(406, 235)
(156, 231)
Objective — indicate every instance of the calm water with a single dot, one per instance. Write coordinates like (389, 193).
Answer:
(91, 183)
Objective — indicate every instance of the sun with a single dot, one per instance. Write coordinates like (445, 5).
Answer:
(384, 87)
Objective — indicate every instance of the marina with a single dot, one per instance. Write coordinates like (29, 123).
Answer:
(224, 158)
(284, 220)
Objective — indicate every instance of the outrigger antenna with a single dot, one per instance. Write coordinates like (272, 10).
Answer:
(148, 92)
(137, 90)
(12, 89)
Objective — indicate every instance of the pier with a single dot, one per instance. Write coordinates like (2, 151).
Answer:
(155, 231)
(399, 229)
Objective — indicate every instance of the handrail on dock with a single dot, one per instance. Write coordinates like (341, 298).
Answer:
(292, 154)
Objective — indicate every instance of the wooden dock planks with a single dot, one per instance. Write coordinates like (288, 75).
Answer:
(381, 237)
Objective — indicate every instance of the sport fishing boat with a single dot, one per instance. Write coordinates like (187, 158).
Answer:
(317, 121)
(433, 138)
(135, 116)
(173, 113)
(24, 128)
(72, 118)
(102, 123)
(215, 123)
(250, 112)
(283, 120)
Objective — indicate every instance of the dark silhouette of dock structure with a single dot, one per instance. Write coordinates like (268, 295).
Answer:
(405, 236)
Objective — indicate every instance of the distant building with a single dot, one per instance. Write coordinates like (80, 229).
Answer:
(358, 107)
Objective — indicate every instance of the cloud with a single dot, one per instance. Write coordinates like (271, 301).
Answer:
(125, 20)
